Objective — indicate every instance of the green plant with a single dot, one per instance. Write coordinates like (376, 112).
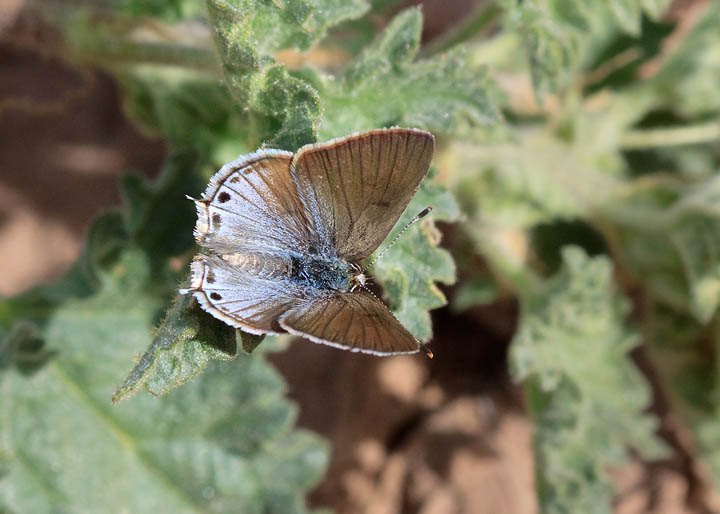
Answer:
(597, 179)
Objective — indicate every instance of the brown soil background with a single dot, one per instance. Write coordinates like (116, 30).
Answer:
(409, 435)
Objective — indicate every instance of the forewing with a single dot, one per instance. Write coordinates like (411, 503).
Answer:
(253, 203)
(355, 321)
(357, 187)
(241, 299)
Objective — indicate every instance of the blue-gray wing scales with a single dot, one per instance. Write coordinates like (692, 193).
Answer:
(249, 217)
(253, 203)
(241, 299)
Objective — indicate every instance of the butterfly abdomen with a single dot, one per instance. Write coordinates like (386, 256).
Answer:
(261, 265)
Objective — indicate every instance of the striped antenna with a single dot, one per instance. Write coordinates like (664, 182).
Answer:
(417, 218)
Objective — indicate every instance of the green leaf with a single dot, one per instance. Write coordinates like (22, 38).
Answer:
(262, 27)
(586, 397)
(169, 10)
(679, 354)
(223, 443)
(481, 290)
(654, 8)
(559, 33)
(627, 13)
(189, 109)
(195, 112)
(569, 170)
(697, 242)
(183, 346)
(380, 88)
(293, 102)
(159, 217)
(670, 236)
(23, 348)
(683, 270)
(106, 238)
(687, 82)
(552, 45)
(394, 48)
(246, 34)
(249, 342)
(409, 270)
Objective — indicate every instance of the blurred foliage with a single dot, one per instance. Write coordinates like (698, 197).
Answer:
(559, 34)
(585, 170)
(585, 396)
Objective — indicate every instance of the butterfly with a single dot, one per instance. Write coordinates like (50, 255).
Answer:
(282, 236)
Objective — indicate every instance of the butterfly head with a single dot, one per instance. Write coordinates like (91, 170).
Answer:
(358, 280)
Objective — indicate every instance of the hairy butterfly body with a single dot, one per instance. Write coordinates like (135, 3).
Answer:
(283, 236)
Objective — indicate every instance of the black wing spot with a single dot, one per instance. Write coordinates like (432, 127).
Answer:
(223, 197)
(216, 219)
(210, 279)
(215, 296)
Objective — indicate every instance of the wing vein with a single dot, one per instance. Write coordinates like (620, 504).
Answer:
(396, 145)
(326, 168)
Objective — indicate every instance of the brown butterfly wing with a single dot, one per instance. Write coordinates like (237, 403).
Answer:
(355, 321)
(241, 299)
(253, 204)
(357, 187)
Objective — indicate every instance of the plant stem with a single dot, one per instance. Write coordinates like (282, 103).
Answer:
(131, 52)
(473, 24)
(671, 136)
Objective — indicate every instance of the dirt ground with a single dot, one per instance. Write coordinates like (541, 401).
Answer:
(409, 435)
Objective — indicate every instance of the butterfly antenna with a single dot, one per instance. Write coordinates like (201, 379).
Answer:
(417, 218)
(425, 348)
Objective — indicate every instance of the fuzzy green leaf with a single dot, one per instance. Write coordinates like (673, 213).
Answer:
(566, 170)
(263, 27)
(681, 264)
(559, 33)
(293, 102)
(159, 217)
(697, 242)
(247, 32)
(24, 348)
(183, 346)
(585, 395)
(393, 49)
(380, 89)
(671, 238)
(191, 111)
(572, 169)
(409, 270)
(221, 444)
(688, 80)
(249, 342)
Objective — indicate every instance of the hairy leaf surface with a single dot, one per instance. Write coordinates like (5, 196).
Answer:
(584, 393)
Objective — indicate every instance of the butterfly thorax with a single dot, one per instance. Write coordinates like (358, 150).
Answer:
(321, 272)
